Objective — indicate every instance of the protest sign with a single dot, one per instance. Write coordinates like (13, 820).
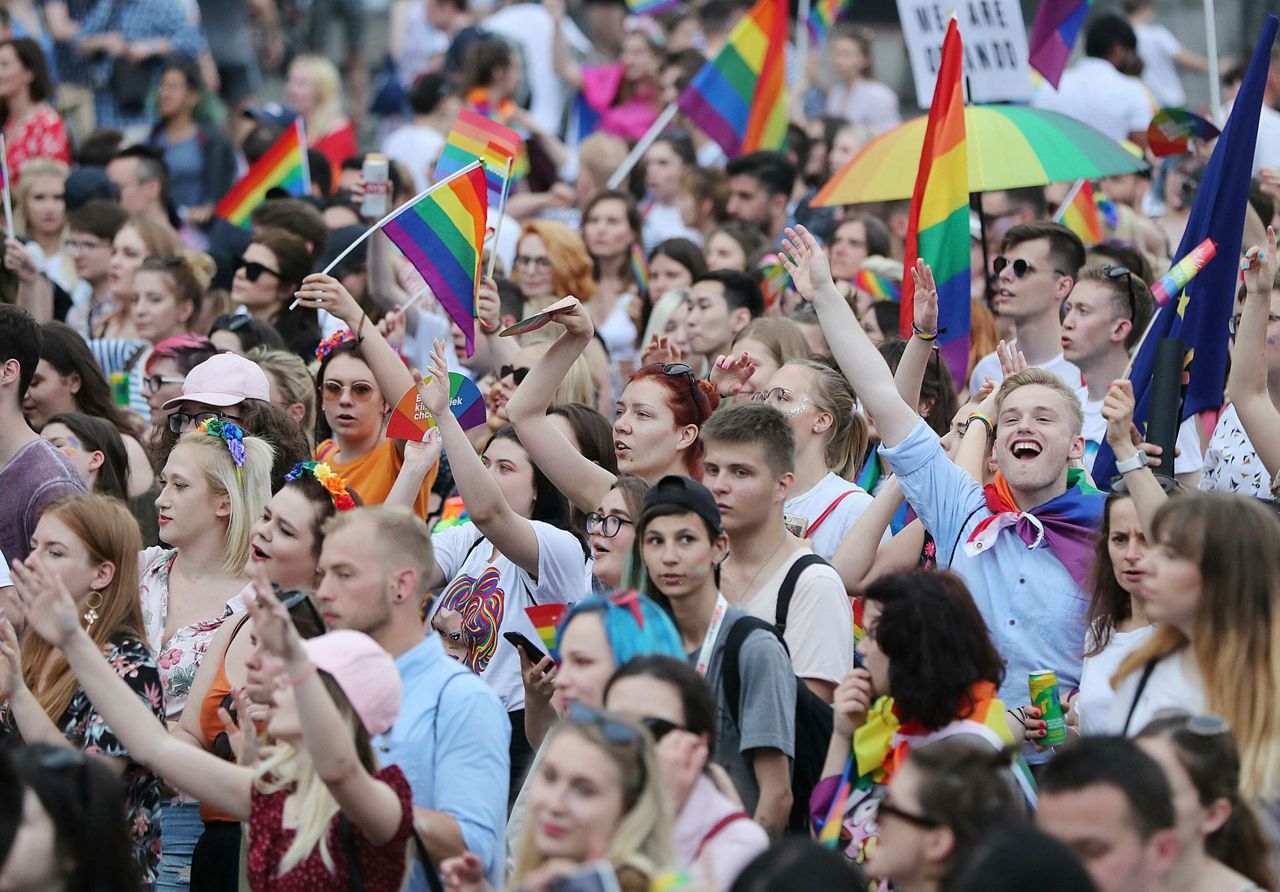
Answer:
(996, 66)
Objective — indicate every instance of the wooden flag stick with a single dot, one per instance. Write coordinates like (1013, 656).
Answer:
(502, 209)
(8, 197)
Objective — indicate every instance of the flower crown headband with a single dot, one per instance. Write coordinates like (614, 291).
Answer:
(229, 433)
(335, 340)
(321, 473)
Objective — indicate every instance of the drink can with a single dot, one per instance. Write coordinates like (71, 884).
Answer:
(120, 388)
(1044, 697)
(377, 186)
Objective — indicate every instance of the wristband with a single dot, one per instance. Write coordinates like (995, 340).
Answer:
(924, 335)
(979, 417)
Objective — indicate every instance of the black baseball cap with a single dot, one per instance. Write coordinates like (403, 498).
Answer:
(685, 493)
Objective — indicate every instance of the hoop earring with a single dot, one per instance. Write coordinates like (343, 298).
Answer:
(91, 609)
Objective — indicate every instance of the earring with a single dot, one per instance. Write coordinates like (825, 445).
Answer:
(91, 609)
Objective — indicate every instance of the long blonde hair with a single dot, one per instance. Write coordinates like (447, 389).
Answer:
(36, 167)
(641, 844)
(1235, 543)
(110, 535)
(248, 487)
(847, 437)
(327, 83)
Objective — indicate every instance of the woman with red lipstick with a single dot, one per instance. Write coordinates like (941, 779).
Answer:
(655, 430)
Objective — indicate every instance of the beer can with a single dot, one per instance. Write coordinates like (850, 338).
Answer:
(377, 186)
(1044, 697)
(120, 388)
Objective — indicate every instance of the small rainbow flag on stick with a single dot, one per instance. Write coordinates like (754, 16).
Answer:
(1079, 213)
(546, 619)
(283, 166)
(639, 267)
(737, 98)
(475, 136)
(441, 233)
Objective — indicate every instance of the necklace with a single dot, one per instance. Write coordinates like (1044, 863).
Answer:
(752, 585)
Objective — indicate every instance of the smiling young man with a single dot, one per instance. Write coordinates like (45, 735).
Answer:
(721, 304)
(1036, 270)
(1023, 545)
(749, 466)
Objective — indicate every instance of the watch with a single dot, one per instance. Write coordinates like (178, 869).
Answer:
(1137, 460)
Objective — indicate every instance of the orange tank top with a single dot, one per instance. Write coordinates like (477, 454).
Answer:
(210, 725)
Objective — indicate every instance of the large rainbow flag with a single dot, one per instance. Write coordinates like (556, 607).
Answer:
(442, 234)
(283, 166)
(1080, 213)
(938, 227)
(738, 98)
(1053, 35)
(476, 136)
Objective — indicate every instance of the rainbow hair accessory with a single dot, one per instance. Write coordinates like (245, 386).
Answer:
(230, 434)
(321, 473)
(327, 346)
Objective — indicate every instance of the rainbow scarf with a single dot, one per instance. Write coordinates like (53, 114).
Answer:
(1068, 524)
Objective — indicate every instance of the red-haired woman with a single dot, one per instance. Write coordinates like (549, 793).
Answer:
(655, 432)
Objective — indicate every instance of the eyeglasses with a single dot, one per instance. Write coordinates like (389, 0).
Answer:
(361, 391)
(888, 808)
(659, 728)
(1113, 272)
(615, 730)
(606, 525)
(1020, 267)
(538, 263)
(77, 246)
(1233, 324)
(679, 368)
(153, 383)
(229, 322)
(183, 421)
(253, 270)
(515, 374)
(1168, 484)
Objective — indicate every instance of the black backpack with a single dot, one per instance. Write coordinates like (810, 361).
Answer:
(814, 716)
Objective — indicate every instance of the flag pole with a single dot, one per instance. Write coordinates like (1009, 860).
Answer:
(306, 159)
(1215, 78)
(387, 219)
(8, 194)
(633, 157)
(802, 38)
(1066, 202)
(502, 209)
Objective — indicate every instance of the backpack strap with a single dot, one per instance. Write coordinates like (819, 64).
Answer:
(813, 527)
(731, 818)
(730, 675)
(788, 588)
(1137, 695)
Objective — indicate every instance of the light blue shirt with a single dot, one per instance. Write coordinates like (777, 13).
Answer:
(452, 741)
(1033, 608)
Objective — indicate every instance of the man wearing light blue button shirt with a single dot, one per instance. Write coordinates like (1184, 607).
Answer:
(452, 736)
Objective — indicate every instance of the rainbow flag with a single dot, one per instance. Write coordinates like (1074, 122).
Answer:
(1053, 35)
(441, 234)
(476, 136)
(1079, 213)
(546, 620)
(877, 286)
(453, 514)
(283, 166)
(823, 15)
(738, 98)
(640, 267)
(773, 279)
(650, 7)
(938, 223)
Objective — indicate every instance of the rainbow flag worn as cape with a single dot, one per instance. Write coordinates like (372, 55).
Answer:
(1080, 213)
(441, 234)
(283, 166)
(1053, 35)
(938, 224)
(475, 136)
(737, 98)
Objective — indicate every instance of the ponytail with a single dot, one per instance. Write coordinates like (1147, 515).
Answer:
(847, 438)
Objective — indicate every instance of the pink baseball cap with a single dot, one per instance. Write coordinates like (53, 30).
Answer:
(366, 673)
(224, 380)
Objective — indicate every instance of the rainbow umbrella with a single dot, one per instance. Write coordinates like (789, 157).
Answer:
(1010, 146)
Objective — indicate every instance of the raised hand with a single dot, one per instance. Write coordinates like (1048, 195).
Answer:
(433, 390)
(393, 326)
(573, 316)
(11, 680)
(488, 306)
(682, 756)
(48, 606)
(1011, 359)
(926, 298)
(1259, 266)
(422, 455)
(852, 701)
(1117, 409)
(805, 262)
(322, 292)
(463, 873)
(730, 374)
(241, 733)
(660, 349)
(271, 621)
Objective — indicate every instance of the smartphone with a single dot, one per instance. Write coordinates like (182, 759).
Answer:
(531, 650)
(795, 524)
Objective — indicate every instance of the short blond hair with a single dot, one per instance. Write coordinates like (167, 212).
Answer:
(401, 539)
(1047, 379)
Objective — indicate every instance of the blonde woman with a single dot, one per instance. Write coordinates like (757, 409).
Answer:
(624, 818)
(40, 211)
(342, 690)
(313, 90)
(759, 350)
(90, 543)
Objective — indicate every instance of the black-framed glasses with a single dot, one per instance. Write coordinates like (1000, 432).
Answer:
(253, 270)
(659, 728)
(615, 730)
(674, 369)
(184, 421)
(888, 808)
(1233, 324)
(1168, 484)
(516, 374)
(606, 525)
(1019, 267)
(153, 383)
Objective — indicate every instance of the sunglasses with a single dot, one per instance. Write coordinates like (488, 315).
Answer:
(1113, 272)
(184, 421)
(1233, 324)
(888, 808)
(1020, 267)
(229, 322)
(153, 383)
(253, 270)
(515, 374)
(606, 525)
(614, 730)
(675, 369)
(659, 728)
(361, 391)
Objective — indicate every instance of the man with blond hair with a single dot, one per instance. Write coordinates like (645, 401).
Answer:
(452, 736)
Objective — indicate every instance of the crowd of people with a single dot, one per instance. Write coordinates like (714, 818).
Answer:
(734, 588)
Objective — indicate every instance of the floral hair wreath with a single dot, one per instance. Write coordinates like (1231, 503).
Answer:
(335, 340)
(321, 473)
(229, 433)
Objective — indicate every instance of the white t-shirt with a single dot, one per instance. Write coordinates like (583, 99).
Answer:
(493, 595)
(810, 505)
(1157, 46)
(1174, 684)
(531, 27)
(865, 102)
(1127, 106)
(989, 367)
(819, 631)
(664, 221)
(418, 148)
(1267, 151)
(1093, 703)
(1095, 432)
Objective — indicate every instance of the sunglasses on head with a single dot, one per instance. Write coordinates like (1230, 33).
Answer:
(515, 374)
(253, 270)
(684, 370)
(614, 730)
(1019, 267)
